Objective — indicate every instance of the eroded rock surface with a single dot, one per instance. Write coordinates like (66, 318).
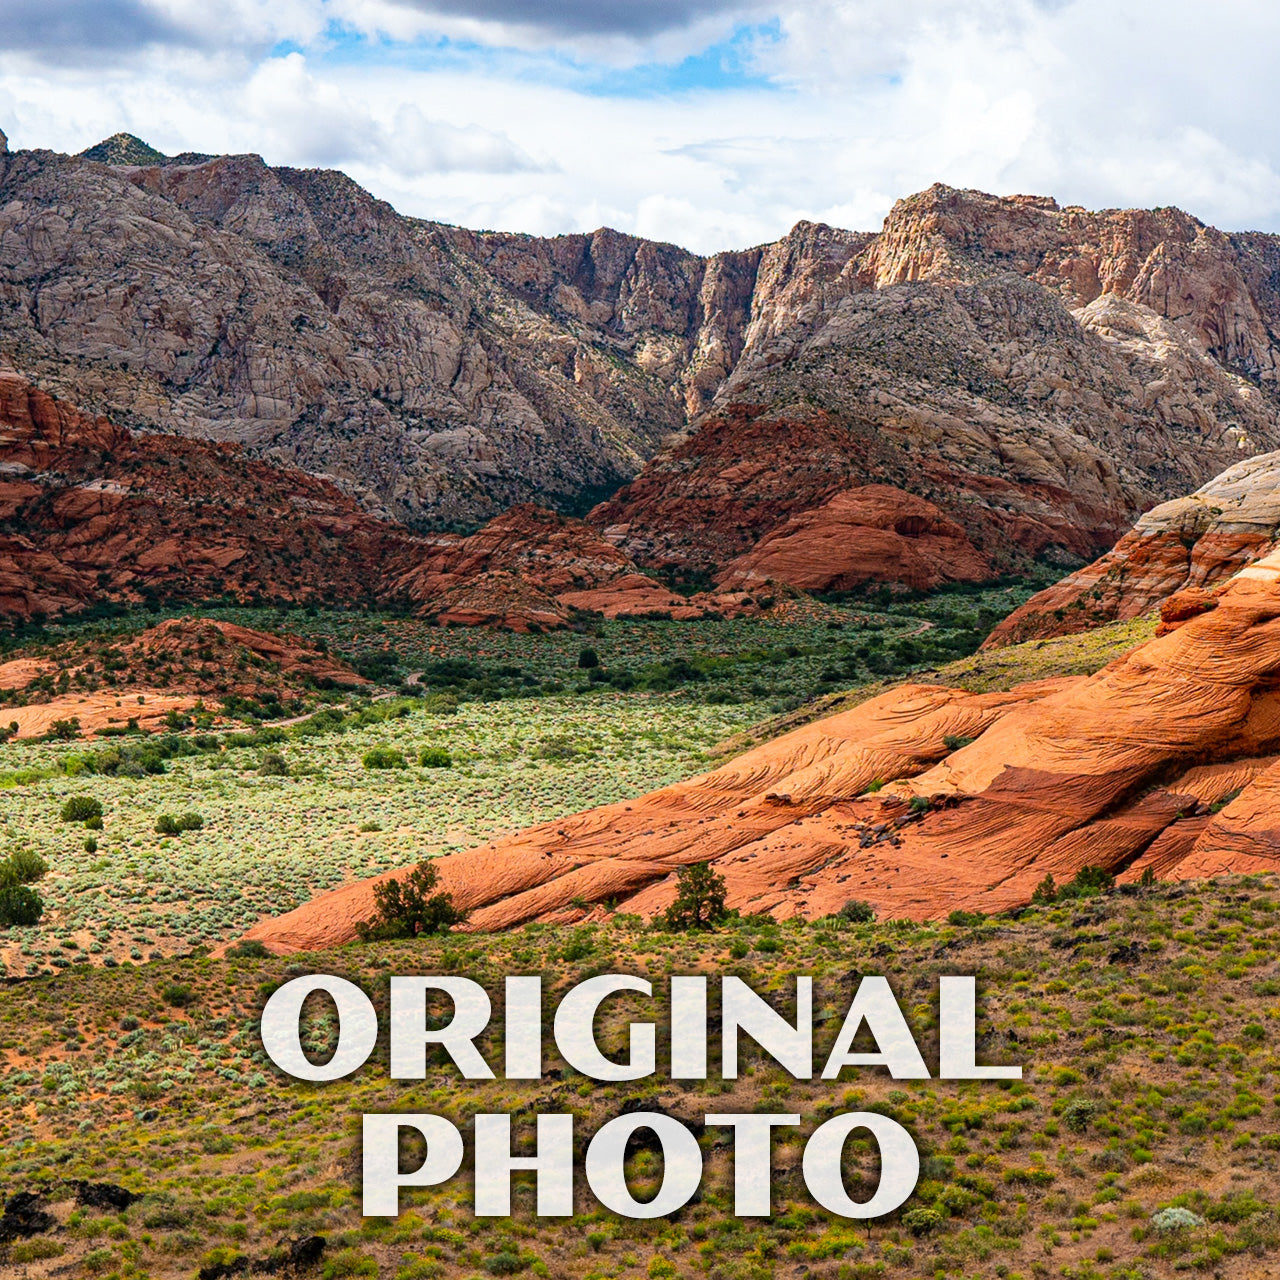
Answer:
(89, 510)
(1165, 759)
(1174, 557)
(1041, 374)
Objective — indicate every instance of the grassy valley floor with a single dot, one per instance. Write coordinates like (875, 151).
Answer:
(1150, 1081)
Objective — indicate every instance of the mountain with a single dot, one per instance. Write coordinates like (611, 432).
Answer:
(926, 799)
(1173, 557)
(1038, 375)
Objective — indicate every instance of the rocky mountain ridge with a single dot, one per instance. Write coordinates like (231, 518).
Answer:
(90, 511)
(1039, 374)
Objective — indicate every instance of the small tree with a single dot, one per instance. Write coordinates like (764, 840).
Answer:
(857, 911)
(23, 866)
(700, 899)
(408, 907)
(435, 758)
(588, 658)
(20, 905)
(1045, 892)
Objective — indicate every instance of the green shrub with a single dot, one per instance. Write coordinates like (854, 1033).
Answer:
(36, 1250)
(384, 758)
(273, 765)
(505, 1263)
(440, 704)
(81, 809)
(435, 758)
(579, 946)
(177, 994)
(857, 911)
(20, 906)
(1045, 892)
(588, 658)
(248, 949)
(921, 1220)
(700, 899)
(168, 824)
(349, 1262)
(23, 866)
(407, 907)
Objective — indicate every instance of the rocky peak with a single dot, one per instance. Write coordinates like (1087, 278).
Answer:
(125, 149)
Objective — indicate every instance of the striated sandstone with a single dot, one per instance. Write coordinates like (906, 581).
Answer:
(1174, 557)
(1165, 759)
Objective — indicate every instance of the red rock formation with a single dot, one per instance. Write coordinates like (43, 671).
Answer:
(497, 599)
(170, 667)
(1165, 758)
(88, 510)
(1041, 375)
(1175, 554)
(873, 533)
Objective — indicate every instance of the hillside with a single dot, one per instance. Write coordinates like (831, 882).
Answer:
(92, 512)
(1174, 557)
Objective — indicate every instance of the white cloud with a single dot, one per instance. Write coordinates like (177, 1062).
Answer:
(1092, 101)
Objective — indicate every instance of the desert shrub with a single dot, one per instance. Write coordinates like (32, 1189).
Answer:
(36, 1250)
(440, 704)
(20, 906)
(966, 919)
(435, 758)
(1045, 892)
(1078, 1114)
(856, 911)
(700, 899)
(177, 994)
(580, 945)
(81, 809)
(384, 758)
(921, 1220)
(23, 866)
(249, 949)
(168, 824)
(409, 907)
(273, 765)
(1088, 882)
(64, 730)
(559, 747)
(955, 741)
(588, 658)
(505, 1263)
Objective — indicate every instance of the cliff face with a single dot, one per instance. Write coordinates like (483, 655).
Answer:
(1039, 374)
(89, 510)
(293, 313)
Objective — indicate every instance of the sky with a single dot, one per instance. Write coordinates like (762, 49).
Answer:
(714, 124)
